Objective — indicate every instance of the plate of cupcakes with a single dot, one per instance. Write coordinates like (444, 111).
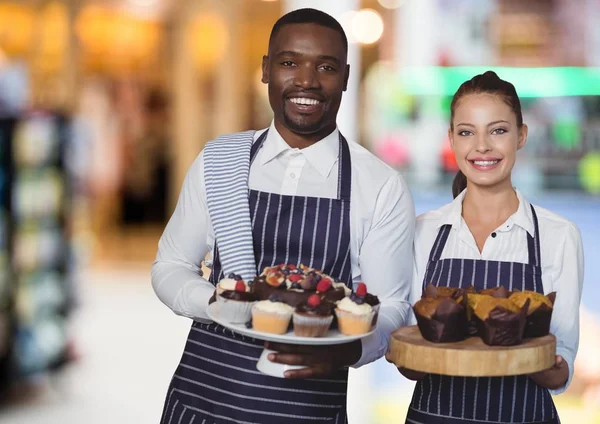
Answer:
(296, 305)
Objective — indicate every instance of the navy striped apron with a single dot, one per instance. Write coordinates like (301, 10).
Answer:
(451, 400)
(217, 380)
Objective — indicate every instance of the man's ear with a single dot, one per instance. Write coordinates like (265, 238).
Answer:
(522, 136)
(265, 69)
(346, 77)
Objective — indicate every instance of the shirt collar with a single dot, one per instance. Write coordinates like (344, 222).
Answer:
(322, 155)
(452, 214)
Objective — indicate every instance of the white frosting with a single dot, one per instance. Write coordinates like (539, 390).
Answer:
(347, 305)
(275, 307)
(229, 284)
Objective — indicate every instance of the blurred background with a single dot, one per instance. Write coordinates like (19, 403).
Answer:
(105, 103)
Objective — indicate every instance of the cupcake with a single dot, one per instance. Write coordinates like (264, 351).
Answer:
(500, 322)
(235, 305)
(539, 313)
(228, 283)
(441, 319)
(354, 315)
(313, 317)
(271, 316)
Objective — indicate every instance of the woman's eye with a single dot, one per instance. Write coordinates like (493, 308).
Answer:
(499, 131)
(464, 133)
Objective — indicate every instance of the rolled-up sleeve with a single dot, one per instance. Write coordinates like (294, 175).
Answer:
(386, 263)
(176, 272)
(568, 285)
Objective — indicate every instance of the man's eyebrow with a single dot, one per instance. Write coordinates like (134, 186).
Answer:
(287, 53)
(330, 58)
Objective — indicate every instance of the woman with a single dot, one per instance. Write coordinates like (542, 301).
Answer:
(490, 235)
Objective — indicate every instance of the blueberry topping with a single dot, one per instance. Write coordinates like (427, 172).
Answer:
(295, 286)
(249, 324)
(274, 297)
(359, 300)
(235, 277)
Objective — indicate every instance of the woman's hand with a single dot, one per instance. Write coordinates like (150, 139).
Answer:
(555, 377)
(410, 374)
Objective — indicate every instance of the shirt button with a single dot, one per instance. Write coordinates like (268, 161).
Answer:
(494, 235)
(292, 175)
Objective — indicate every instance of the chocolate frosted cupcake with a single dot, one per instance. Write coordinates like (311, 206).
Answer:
(235, 305)
(500, 322)
(313, 317)
(442, 319)
(539, 313)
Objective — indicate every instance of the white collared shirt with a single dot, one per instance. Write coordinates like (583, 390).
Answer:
(561, 252)
(382, 218)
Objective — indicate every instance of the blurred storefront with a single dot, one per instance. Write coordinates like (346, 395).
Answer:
(140, 85)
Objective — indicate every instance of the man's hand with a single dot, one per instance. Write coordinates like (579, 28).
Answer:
(320, 361)
(410, 374)
(555, 377)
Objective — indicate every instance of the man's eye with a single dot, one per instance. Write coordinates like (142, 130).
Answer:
(327, 68)
(288, 63)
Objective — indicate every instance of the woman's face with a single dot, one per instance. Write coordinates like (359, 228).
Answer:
(485, 139)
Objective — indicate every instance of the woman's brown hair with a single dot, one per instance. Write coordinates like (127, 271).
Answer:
(486, 83)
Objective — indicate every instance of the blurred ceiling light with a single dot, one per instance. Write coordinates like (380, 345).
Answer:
(391, 4)
(367, 26)
(346, 22)
(143, 3)
(209, 37)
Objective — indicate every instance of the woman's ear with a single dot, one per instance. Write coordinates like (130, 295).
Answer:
(522, 136)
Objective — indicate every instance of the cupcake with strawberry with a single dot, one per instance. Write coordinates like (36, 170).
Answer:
(313, 317)
(235, 305)
(354, 314)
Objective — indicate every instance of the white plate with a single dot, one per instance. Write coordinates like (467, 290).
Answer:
(333, 336)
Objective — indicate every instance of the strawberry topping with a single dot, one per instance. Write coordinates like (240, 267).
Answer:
(361, 290)
(294, 278)
(314, 300)
(240, 286)
(324, 285)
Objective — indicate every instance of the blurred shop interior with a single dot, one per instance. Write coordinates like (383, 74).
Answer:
(104, 104)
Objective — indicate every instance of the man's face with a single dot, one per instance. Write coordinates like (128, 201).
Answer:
(306, 71)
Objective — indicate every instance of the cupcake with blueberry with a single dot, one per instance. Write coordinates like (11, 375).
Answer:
(354, 314)
(228, 283)
(271, 315)
(235, 305)
(313, 317)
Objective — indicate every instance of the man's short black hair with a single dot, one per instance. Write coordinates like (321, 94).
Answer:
(309, 16)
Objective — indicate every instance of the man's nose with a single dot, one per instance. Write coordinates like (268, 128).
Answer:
(307, 77)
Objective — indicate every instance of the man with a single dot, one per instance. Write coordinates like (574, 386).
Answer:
(314, 199)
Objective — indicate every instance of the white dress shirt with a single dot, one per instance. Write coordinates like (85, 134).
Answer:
(382, 219)
(561, 252)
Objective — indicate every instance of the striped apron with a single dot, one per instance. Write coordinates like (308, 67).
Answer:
(451, 400)
(217, 380)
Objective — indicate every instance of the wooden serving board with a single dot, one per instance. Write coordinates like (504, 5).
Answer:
(470, 357)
